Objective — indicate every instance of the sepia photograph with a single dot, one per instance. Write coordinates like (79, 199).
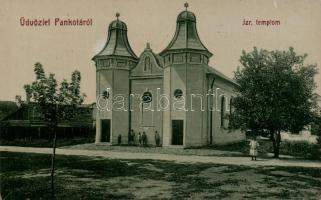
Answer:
(160, 99)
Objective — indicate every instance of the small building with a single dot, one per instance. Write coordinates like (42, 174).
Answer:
(174, 92)
(27, 122)
(303, 135)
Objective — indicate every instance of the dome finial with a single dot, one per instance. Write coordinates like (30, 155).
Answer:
(117, 15)
(147, 45)
(186, 5)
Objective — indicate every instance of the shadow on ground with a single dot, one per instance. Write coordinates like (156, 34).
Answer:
(26, 176)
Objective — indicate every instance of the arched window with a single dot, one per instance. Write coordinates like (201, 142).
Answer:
(105, 94)
(147, 64)
(222, 110)
(231, 105)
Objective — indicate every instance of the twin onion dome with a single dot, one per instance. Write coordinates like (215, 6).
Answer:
(117, 41)
(185, 39)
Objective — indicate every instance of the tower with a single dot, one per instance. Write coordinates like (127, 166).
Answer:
(113, 64)
(185, 68)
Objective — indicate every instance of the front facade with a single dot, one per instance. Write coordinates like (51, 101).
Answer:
(174, 92)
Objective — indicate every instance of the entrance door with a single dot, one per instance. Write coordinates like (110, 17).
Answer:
(177, 132)
(105, 130)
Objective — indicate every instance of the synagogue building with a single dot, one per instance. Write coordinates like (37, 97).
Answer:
(174, 92)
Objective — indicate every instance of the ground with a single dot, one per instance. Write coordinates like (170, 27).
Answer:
(26, 175)
(89, 171)
(297, 149)
(176, 155)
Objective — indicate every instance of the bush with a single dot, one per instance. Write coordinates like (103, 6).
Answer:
(301, 149)
(293, 148)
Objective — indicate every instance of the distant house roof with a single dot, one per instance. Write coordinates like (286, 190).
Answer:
(7, 108)
(29, 112)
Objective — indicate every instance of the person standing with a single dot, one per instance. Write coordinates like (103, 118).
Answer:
(253, 148)
(157, 139)
(133, 137)
(119, 139)
(144, 138)
(140, 139)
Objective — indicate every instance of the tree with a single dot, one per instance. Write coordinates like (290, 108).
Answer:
(55, 104)
(275, 93)
(316, 128)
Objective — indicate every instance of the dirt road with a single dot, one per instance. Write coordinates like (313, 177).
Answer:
(169, 157)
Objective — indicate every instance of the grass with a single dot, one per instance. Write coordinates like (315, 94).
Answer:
(302, 150)
(26, 176)
(292, 148)
(241, 146)
(296, 149)
(46, 142)
(174, 150)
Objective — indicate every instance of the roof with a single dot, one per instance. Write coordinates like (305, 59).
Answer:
(158, 58)
(186, 36)
(214, 71)
(117, 24)
(30, 112)
(7, 108)
(117, 41)
(186, 16)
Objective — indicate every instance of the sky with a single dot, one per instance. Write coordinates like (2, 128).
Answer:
(219, 23)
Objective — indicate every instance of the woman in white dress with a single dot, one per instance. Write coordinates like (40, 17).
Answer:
(253, 148)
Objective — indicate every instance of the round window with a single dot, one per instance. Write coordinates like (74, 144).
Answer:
(147, 97)
(178, 93)
(105, 94)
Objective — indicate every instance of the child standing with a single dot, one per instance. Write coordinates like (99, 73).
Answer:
(253, 148)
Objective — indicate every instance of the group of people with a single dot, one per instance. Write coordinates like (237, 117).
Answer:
(141, 139)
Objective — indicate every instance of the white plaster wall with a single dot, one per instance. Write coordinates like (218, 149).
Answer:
(154, 118)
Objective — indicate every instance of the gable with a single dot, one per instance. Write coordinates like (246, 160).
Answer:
(148, 65)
